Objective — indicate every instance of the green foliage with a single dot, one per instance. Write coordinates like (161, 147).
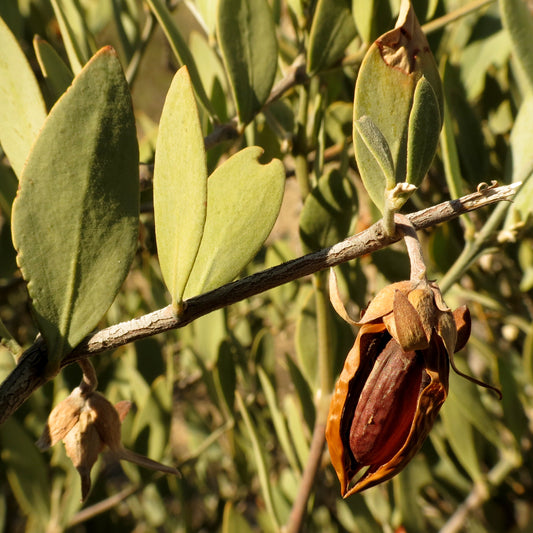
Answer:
(332, 31)
(247, 40)
(244, 179)
(243, 202)
(180, 186)
(22, 109)
(96, 182)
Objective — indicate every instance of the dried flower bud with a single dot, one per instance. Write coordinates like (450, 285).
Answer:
(394, 381)
(87, 422)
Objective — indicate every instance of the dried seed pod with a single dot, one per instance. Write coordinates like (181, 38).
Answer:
(394, 381)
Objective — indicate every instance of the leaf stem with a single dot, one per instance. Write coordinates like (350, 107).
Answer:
(414, 248)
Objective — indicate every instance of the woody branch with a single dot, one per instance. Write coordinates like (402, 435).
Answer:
(28, 375)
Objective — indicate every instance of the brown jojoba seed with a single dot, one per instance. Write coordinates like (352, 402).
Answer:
(386, 407)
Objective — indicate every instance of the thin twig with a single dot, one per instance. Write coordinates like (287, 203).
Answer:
(29, 374)
(103, 506)
(299, 508)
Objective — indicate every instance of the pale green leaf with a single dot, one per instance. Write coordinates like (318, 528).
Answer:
(180, 185)
(22, 108)
(247, 39)
(378, 146)
(180, 50)
(75, 218)
(79, 43)
(518, 21)
(56, 74)
(243, 202)
(332, 31)
(423, 132)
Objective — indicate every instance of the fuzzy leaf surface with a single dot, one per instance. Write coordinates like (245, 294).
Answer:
(243, 202)
(75, 217)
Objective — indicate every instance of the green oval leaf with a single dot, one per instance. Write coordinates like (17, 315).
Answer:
(423, 131)
(180, 50)
(22, 108)
(243, 202)
(78, 41)
(247, 39)
(75, 217)
(378, 146)
(180, 185)
(332, 31)
(56, 74)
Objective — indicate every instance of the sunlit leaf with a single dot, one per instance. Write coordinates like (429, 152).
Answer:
(520, 163)
(243, 202)
(377, 145)
(180, 49)
(56, 74)
(180, 185)
(78, 41)
(247, 39)
(80, 188)
(22, 108)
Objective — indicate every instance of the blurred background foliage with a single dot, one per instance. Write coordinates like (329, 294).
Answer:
(232, 399)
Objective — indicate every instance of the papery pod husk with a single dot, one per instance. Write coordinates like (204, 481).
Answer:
(387, 81)
(371, 340)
